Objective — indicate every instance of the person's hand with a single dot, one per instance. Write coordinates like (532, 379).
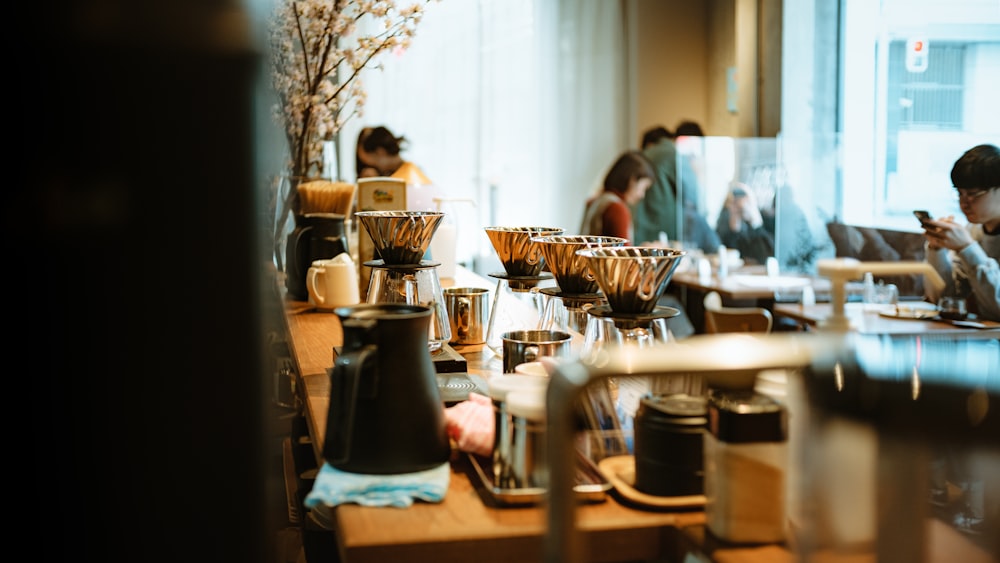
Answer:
(743, 208)
(946, 233)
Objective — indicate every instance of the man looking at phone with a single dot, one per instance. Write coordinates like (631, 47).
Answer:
(966, 255)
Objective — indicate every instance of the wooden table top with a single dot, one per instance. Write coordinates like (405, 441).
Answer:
(869, 321)
(749, 282)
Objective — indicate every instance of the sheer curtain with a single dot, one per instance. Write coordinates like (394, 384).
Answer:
(519, 105)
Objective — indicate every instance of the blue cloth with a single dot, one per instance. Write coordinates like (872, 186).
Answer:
(333, 487)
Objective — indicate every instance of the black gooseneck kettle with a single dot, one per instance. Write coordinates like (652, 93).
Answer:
(316, 236)
(386, 415)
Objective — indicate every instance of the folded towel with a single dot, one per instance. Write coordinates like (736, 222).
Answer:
(333, 487)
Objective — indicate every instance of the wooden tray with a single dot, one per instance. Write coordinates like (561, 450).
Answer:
(620, 471)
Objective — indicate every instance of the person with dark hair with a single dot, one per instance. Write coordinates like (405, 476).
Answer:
(653, 136)
(742, 226)
(608, 213)
(379, 154)
(966, 255)
(688, 129)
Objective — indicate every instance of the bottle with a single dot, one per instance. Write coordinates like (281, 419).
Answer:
(444, 245)
(868, 295)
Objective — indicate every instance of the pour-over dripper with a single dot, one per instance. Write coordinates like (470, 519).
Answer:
(516, 302)
(520, 256)
(632, 278)
(571, 271)
(400, 237)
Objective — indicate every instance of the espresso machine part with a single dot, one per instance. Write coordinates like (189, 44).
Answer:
(385, 414)
(516, 302)
(317, 236)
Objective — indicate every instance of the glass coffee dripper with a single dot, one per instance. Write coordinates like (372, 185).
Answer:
(516, 302)
(400, 239)
(566, 306)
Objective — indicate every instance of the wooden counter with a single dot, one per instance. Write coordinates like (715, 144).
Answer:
(468, 526)
(463, 527)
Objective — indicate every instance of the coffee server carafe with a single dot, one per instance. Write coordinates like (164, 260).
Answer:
(317, 236)
(386, 414)
(400, 275)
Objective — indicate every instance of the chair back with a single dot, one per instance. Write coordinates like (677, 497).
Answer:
(719, 318)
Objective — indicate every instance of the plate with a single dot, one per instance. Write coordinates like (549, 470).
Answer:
(620, 471)
(916, 311)
(771, 282)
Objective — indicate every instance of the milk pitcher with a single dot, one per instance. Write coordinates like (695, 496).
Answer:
(385, 414)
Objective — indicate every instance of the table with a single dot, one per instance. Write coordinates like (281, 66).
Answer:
(737, 291)
(737, 287)
(867, 320)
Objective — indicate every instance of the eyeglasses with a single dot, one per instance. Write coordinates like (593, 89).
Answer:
(973, 194)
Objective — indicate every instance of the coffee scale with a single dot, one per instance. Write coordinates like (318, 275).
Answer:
(567, 304)
(516, 302)
(401, 275)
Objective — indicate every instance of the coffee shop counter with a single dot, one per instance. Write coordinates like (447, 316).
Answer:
(463, 527)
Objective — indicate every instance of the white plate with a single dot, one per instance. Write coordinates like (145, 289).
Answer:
(915, 310)
(770, 282)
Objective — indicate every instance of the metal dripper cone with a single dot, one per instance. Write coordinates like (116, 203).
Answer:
(519, 255)
(632, 278)
(571, 271)
(400, 237)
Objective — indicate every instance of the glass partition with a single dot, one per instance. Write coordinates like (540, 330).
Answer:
(745, 193)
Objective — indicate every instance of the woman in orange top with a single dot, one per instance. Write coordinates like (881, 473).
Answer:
(378, 154)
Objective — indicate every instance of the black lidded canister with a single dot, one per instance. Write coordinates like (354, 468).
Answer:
(669, 435)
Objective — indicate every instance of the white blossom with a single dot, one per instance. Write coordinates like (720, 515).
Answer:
(317, 55)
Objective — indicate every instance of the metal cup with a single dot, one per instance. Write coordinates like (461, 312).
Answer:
(468, 312)
(520, 346)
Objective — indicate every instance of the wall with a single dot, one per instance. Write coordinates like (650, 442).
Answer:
(672, 54)
(684, 50)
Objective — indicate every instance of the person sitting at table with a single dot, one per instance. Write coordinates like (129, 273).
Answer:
(967, 256)
(742, 226)
(609, 213)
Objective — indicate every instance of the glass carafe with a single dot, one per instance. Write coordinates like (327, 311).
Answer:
(517, 305)
(416, 284)
(568, 312)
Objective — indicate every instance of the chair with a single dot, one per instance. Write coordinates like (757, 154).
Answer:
(719, 318)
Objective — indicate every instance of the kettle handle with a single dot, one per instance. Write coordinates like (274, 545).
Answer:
(293, 259)
(345, 383)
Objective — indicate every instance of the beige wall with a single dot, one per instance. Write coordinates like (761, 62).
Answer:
(671, 78)
(683, 49)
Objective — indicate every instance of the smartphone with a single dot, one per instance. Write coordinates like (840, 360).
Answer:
(922, 215)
